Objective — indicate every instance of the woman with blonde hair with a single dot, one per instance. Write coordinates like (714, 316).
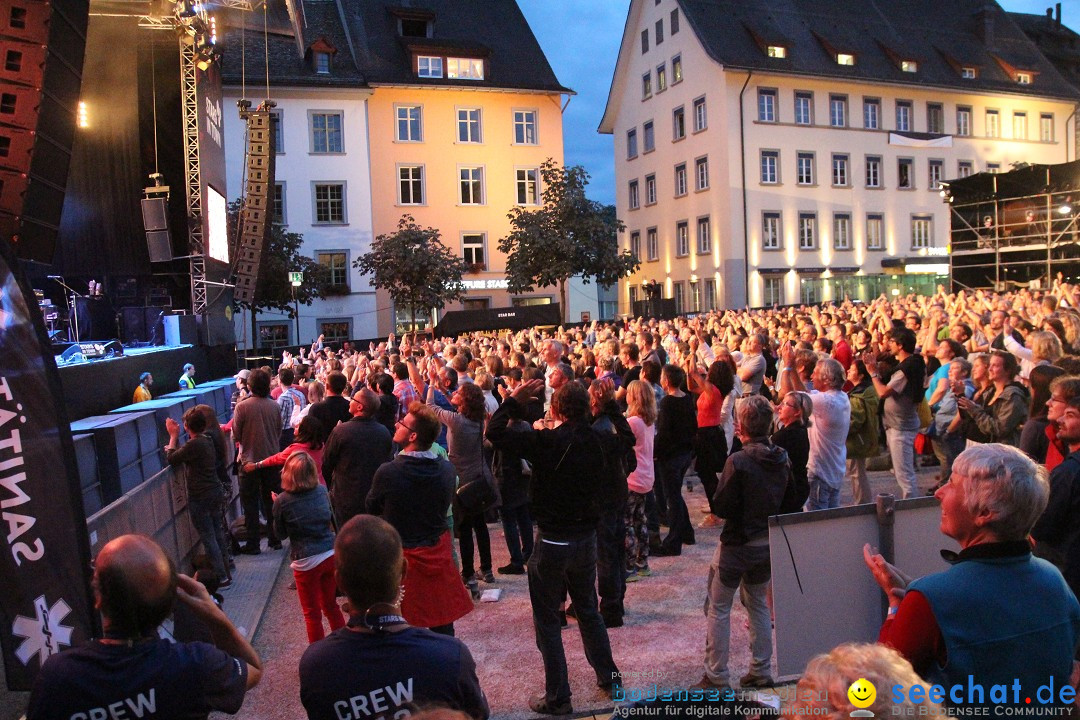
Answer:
(641, 414)
(302, 512)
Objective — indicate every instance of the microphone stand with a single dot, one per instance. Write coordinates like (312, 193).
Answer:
(73, 310)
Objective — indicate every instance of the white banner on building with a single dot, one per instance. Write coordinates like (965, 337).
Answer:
(924, 142)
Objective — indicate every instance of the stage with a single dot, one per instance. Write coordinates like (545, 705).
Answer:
(94, 387)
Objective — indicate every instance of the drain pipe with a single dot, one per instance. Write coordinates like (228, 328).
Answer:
(745, 226)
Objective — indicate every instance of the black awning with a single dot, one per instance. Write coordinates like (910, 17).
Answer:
(456, 322)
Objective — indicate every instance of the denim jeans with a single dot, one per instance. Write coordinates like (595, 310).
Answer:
(902, 451)
(255, 489)
(556, 567)
(610, 560)
(669, 475)
(746, 569)
(518, 530)
(822, 495)
(206, 517)
(946, 448)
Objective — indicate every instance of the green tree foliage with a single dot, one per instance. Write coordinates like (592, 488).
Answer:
(568, 235)
(415, 267)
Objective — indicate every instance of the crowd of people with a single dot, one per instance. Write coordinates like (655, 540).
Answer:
(371, 461)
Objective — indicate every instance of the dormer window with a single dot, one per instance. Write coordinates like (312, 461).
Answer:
(321, 56)
(845, 59)
(429, 67)
(414, 27)
(777, 51)
(968, 73)
(322, 63)
(464, 68)
(909, 66)
(1023, 78)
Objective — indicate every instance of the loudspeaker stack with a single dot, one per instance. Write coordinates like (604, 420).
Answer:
(258, 201)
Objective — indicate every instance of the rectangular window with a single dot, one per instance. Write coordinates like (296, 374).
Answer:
(993, 126)
(528, 186)
(695, 296)
(682, 238)
(964, 168)
(677, 296)
(678, 124)
(650, 244)
(278, 213)
(770, 167)
(937, 173)
(909, 66)
(525, 123)
(411, 184)
(704, 237)
(329, 203)
(807, 231)
(472, 249)
(773, 290)
(278, 130)
(659, 30)
(845, 59)
(838, 110)
(776, 51)
(335, 331)
(1023, 78)
(646, 86)
(873, 171)
(644, 41)
(809, 291)
(701, 118)
(472, 185)
(841, 231)
(409, 123)
(804, 108)
(905, 175)
(710, 294)
(935, 118)
(464, 69)
(273, 335)
(322, 63)
(631, 144)
(1020, 126)
(875, 229)
(634, 199)
(993, 167)
(680, 179)
(701, 173)
(676, 70)
(1046, 127)
(771, 231)
(650, 189)
(922, 227)
(635, 244)
(963, 120)
(633, 298)
(326, 132)
(840, 171)
(336, 264)
(429, 67)
(649, 136)
(17, 19)
(968, 73)
(871, 113)
(674, 22)
(804, 168)
(903, 115)
(766, 105)
(468, 123)
(661, 78)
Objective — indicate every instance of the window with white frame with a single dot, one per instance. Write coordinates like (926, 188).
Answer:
(993, 124)
(649, 136)
(651, 246)
(635, 244)
(766, 104)
(935, 117)
(905, 173)
(922, 229)
(770, 167)
(840, 170)
(336, 263)
(528, 186)
(277, 214)
(678, 124)
(329, 203)
(525, 124)
(701, 117)
(677, 296)
(472, 249)
(633, 199)
(464, 68)
(873, 171)
(429, 67)
(807, 231)
(322, 63)
(411, 184)
(804, 168)
(875, 231)
(964, 168)
(472, 185)
(841, 225)
(771, 231)
(701, 173)
(903, 115)
(631, 144)
(646, 86)
(278, 131)
(273, 335)
(1023, 78)
(680, 179)
(410, 123)
(776, 51)
(937, 173)
(334, 331)
(804, 108)
(676, 70)
(710, 294)
(963, 120)
(468, 123)
(773, 290)
(909, 66)
(326, 132)
(661, 78)
(632, 296)
(808, 291)
(695, 296)
(968, 73)
(650, 189)
(845, 59)
(1020, 130)
(838, 110)
(993, 167)
(1046, 127)
(682, 238)
(872, 113)
(704, 237)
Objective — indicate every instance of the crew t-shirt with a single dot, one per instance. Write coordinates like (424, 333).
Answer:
(152, 679)
(386, 673)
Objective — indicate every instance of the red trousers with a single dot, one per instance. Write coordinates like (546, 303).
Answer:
(316, 588)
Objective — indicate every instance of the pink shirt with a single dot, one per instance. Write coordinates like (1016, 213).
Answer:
(641, 480)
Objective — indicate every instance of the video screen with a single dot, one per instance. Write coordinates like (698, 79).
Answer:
(217, 221)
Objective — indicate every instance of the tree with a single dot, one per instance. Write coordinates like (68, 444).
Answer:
(415, 267)
(568, 235)
(281, 255)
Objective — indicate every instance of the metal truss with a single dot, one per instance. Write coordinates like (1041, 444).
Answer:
(193, 176)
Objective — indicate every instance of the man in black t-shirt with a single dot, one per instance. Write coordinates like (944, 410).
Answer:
(392, 667)
(131, 672)
(334, 408)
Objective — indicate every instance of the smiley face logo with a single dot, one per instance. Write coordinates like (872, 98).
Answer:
(862, 693)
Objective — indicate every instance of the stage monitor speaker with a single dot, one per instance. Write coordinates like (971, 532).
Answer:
(44, 45)
(155, 327)
(133, 324)
(159, 243)
(96, 317)
(181, 330)
(258, 201)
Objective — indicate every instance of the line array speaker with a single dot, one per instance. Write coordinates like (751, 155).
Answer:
(258, 201)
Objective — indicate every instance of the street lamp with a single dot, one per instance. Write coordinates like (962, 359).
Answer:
(296, 279)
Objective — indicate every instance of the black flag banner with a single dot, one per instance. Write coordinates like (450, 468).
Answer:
(45, 598)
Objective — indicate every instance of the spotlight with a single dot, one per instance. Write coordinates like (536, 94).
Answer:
(1065, 209)
(185, 9)
(82, 119)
